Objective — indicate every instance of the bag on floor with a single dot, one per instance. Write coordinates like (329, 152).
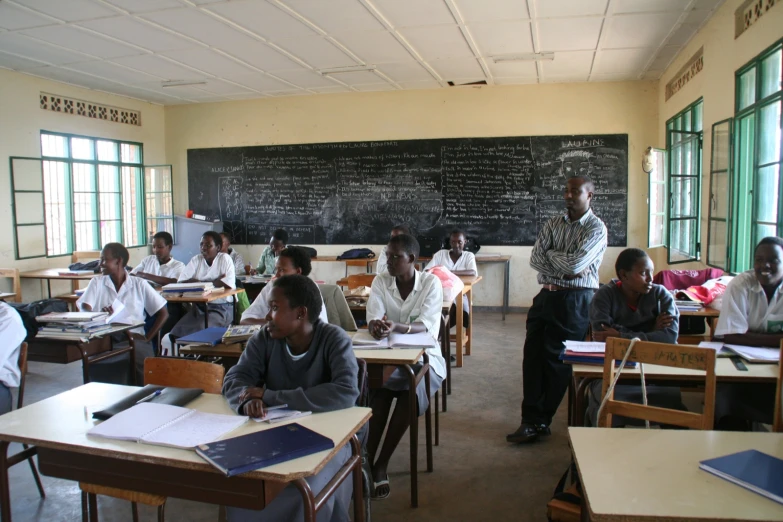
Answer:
(29, 311)
(566, 503)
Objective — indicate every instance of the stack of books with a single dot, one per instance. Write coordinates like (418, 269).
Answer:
(197, 289)
(78, 326)
(583, 352)
(240, 333)
(688, 306)
(74, 273)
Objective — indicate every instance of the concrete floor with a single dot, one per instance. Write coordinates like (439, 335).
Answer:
(478, 476)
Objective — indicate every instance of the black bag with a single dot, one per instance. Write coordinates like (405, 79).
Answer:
(90, 265)
(357, 253)
(310, 251)
(29, 311)
(428, 246)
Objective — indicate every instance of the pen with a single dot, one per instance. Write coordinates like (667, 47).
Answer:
(150, 396)
(278, 407)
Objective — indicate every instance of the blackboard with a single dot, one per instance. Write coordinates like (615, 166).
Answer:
(498, 190)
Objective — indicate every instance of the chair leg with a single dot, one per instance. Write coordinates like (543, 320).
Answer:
(84, 506)
(161, 512)
(135, 512)
(437, 423)
(93, 503)
(36, 476)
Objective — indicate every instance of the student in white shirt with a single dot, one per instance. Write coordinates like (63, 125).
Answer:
(292, 260)
(751, 315)
(403, 300)
(236, 257)
(380, 265)
(160, 268)
(213, 266)
(12, 334)
(135, 294)
(461, 263)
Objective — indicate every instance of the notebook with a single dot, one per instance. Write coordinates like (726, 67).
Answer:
(281, 414)
(755, 354)
(263, 448)
(166, 425)
(364, 341)
(751, 469)
(170, 395)
(211, 336)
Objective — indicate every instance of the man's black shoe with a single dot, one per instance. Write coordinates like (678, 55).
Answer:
(528, 433)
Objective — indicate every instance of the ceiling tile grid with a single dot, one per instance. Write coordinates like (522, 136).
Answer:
(198, 51)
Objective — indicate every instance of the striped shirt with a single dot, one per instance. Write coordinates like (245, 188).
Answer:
(565, 248)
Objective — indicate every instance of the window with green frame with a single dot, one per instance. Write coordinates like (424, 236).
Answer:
(755, 185)
(683, 152)
(92, 191)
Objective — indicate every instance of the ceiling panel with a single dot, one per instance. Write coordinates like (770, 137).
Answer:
(440, 41)
(72, 38)
(259, 55)
(502, 37)
(70, 10)
(375, 87)
(513, 69)
(329, 90)
(450, 69)
(209, 61)
(557, 8)
(305, 78)
(74, 77)
(12, 17)
(576, 63)
(260, 82)
(646, 6)
(336, 16)
(263, 19)
(409, 71)
(137, 33)
(407, 13)
(647, 30)
(565, 79)
(374, 47)
(222, 88)
(514, 81)
(682, 35)
(199, 26)
(569, 34)
(612, 77)
(414, 86)
(142, 6)
(114, 72)
(19, 44)
(621, 61)
(359, 77)
(17, 63)
(159, 66)
(491, 10)
(317, 52)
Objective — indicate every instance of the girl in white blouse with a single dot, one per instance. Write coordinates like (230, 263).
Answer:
(213, 266)
(461, 263)
(380, 266)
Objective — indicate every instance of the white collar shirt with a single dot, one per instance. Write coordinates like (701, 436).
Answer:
(260, 307)
(424, 304)
(745, 308)
(151, 265)
(467, 261)
(380, 265)
(136, 294)
(12, 334)
(199, 270)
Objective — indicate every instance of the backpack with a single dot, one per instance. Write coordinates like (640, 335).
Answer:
(428, 246)
(357, 253)
(309, 250)
(29, 311)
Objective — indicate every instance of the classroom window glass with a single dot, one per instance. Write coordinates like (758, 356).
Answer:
(159, 202)
(656, 220)
(720, 183)
(684, 143)
(756, 189)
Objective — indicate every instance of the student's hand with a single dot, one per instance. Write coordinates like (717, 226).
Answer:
(254, 408)
(139, 337)
(378, 328)
(251, 392)
(219, 279)
(663, 321)
(606, 332)
(108, 310)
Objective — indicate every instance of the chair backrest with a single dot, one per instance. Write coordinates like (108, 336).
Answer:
(777, 423)
(662, 354)
(357, 280)
(364, 389)
(337, 310)
(184, 373)
(22, 362)
(16, 284)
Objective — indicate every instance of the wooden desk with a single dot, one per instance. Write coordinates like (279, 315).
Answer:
(53, 273)
(653, 475)
(711, 315)
(7, 295)
(404, 359)
(58, 427)
(228, 292)
(464, 333)
(231, 351)
(506, 260)
(366, 262)
(725, 371)
(96, 349)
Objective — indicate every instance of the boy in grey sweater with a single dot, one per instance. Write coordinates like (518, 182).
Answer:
(305, 363)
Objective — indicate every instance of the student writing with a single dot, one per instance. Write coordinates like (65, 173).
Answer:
(266, 263)
(298, 360)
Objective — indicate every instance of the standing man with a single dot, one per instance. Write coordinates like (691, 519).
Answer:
(567, 254)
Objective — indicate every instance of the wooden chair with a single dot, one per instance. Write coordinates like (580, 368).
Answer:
(16, 285)
(777, 423)
(662, 354)
(163, 371)
(27, 452)
(357, 280)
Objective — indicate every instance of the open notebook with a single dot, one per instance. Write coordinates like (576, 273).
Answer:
(364, 341)
(166, 425)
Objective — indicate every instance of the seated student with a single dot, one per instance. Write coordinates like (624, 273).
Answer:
(380, 265)
(403, 300)
(211, 265)
(12, 335)
(266, 263)
(292, 260)
(633, 306)
(751, 315)
(307, 364)
(461, 263)
(236, 257)
(134, 293)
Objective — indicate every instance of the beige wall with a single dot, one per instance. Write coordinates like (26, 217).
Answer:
(596, 108)
(21, 121)
(723, 55)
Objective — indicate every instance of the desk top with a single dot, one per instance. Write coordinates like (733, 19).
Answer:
(470, 280)
(704, 312)
(62, 421)
(53, 273)
(393, 356)
(725, 371)
(642, 475)
(6, 295)
(492, 259)
(206, 298)
(221, 350)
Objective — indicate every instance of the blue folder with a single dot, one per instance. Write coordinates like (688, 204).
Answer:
(263, 448)
(751, 469)
(212, 335)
